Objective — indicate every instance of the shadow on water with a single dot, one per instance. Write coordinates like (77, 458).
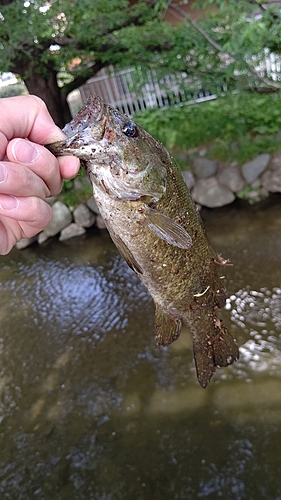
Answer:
(91, 409)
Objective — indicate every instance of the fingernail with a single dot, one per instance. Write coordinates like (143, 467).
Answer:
(3, 173)
(8, 202)
(24, 151)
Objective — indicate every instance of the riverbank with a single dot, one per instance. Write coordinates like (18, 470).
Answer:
(214, 185)
(211, 184)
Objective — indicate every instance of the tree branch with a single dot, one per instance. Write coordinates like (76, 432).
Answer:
(181, 15)
(264, 7)
(185, 17)
(81, 79)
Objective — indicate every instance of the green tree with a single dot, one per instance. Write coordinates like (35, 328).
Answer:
(232, 39)
(56, 46)
(224, 48)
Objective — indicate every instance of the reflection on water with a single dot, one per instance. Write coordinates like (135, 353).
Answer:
(91, 409)
(258, 313)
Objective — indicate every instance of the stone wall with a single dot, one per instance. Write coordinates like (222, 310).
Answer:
(211, 185)
(67, 223)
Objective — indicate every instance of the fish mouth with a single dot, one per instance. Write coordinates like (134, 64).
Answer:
(91, 114)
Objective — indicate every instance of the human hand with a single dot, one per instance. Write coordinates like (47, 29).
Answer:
(29, 173)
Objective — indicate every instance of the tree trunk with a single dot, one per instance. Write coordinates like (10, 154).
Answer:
(46, 87)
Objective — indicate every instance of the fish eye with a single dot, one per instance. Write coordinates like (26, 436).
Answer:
(130, 129)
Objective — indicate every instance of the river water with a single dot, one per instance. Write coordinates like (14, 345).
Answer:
(92, 409)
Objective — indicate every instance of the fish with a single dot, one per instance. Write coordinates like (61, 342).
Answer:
(156, 226)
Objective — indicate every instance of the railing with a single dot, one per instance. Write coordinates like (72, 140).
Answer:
(121, 90)
(270, 66)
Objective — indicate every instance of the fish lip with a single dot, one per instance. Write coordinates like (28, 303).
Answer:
(91, 113)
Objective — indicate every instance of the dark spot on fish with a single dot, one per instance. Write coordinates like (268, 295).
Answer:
(105, 187)
(130, 129)
(109, 135)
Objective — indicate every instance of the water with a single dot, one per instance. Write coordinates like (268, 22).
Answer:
(92, 409)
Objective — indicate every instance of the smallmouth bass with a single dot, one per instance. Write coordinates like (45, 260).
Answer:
(155, 225)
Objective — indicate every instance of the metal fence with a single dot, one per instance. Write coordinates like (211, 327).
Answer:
(124, 91)
(130, 91)
(269, 65)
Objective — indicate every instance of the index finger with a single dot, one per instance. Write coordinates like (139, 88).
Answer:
(27, 117)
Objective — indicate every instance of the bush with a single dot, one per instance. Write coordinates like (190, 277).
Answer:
(234, 127)
(13, 90)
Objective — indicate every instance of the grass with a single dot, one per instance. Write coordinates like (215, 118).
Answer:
(72, 197)
(236, 128)
(233, 128)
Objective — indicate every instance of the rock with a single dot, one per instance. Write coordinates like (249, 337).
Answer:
(210, 193)
(203, 167)
(256, 184)
(77, 184)
(91, 203)
(253, 169)
(188, 178)
(71, 231)
(271, 180)
(255, 196)
(25, 242)
(62, 217)
(275, 163)
(42, 237)
(253, 192)
(51, 200)
(182, 157)
(80, 182)
(231, 178)
(84, 216)
(203, 151)
(100, 222)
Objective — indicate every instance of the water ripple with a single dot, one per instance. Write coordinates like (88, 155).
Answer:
(77, 298)
(257, 313)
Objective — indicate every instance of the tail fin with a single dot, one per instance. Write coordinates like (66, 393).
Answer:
(214, 349)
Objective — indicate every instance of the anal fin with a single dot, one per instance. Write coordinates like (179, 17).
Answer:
(167, 327)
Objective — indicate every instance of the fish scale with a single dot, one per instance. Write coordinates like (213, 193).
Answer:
(155, 225)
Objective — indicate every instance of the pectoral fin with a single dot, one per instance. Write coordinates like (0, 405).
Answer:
(167, 327)
(125, 252)
(167, 229)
